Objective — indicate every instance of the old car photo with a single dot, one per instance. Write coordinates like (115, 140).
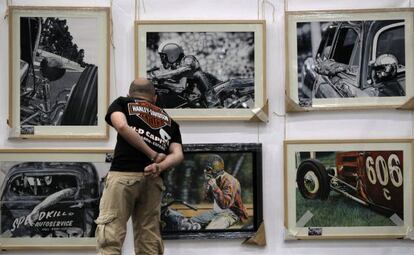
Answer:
(351, 59)
(59, 72)
(49, 199)
(58, 76)
(353, 183)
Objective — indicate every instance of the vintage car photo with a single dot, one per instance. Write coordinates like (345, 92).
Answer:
(49, 199)
(61, 73)
(348, 60)
(348, 189)
(353, 59)
(373, 179)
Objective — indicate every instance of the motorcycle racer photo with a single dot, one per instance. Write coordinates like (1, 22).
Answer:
(181, 71)
(202, 69)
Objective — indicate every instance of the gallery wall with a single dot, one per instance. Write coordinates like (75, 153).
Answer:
(353, 124)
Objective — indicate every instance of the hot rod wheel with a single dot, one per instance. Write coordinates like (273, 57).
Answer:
(81, 108)
(312, 179)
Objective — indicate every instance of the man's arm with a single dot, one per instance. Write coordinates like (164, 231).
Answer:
(120, 123)
(48, 201)
(174, 157)
(170, 74)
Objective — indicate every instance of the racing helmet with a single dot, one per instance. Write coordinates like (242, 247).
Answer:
(171, 54)
(213, 166)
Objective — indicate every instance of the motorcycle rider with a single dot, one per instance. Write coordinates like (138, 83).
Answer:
(184, 72)
(225, 191)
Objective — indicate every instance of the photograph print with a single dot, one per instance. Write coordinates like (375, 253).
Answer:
(349, 61)
(359, 191)
(203, 66)
(50, 198)
(61, 69)
(214, 193)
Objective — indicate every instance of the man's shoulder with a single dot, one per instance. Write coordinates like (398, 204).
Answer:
(228, 177)
(119, 101)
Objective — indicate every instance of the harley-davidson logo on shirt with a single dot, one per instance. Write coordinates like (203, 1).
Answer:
(150, 114)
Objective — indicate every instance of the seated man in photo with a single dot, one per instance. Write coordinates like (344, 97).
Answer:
(225, 192)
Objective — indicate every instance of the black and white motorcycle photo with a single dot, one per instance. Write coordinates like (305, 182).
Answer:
(202, 70)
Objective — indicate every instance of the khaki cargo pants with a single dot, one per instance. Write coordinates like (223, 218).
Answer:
(130, 194)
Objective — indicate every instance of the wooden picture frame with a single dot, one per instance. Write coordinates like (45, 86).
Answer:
(342, 189)
(349, 59)
(59, 72)
(205, 70)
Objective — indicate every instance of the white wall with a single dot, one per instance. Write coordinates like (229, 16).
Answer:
(329, 125)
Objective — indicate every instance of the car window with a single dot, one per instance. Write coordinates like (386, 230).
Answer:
(347, 47)
(391, 41)
(40, 186)
(327, 39)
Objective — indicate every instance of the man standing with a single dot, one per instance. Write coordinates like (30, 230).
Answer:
(148, 143)
(225, 191)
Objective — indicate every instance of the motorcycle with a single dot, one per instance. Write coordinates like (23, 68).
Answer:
(233, 93)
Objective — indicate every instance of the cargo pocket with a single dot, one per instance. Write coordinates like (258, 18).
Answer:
(128, 181)
(105, 229)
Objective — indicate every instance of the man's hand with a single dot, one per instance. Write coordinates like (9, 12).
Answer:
(212, 183)
(164, 162)
(160, 157)
(153, 170)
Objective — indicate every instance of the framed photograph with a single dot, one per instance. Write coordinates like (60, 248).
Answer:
(58, 71)
(216, 192)
(349, 59)
(205, 70)
(349, 189)
(50, 198)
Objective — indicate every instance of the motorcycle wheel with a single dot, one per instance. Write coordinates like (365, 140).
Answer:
(82, 107)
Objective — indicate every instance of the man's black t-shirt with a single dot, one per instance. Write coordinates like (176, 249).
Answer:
(152, 123)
